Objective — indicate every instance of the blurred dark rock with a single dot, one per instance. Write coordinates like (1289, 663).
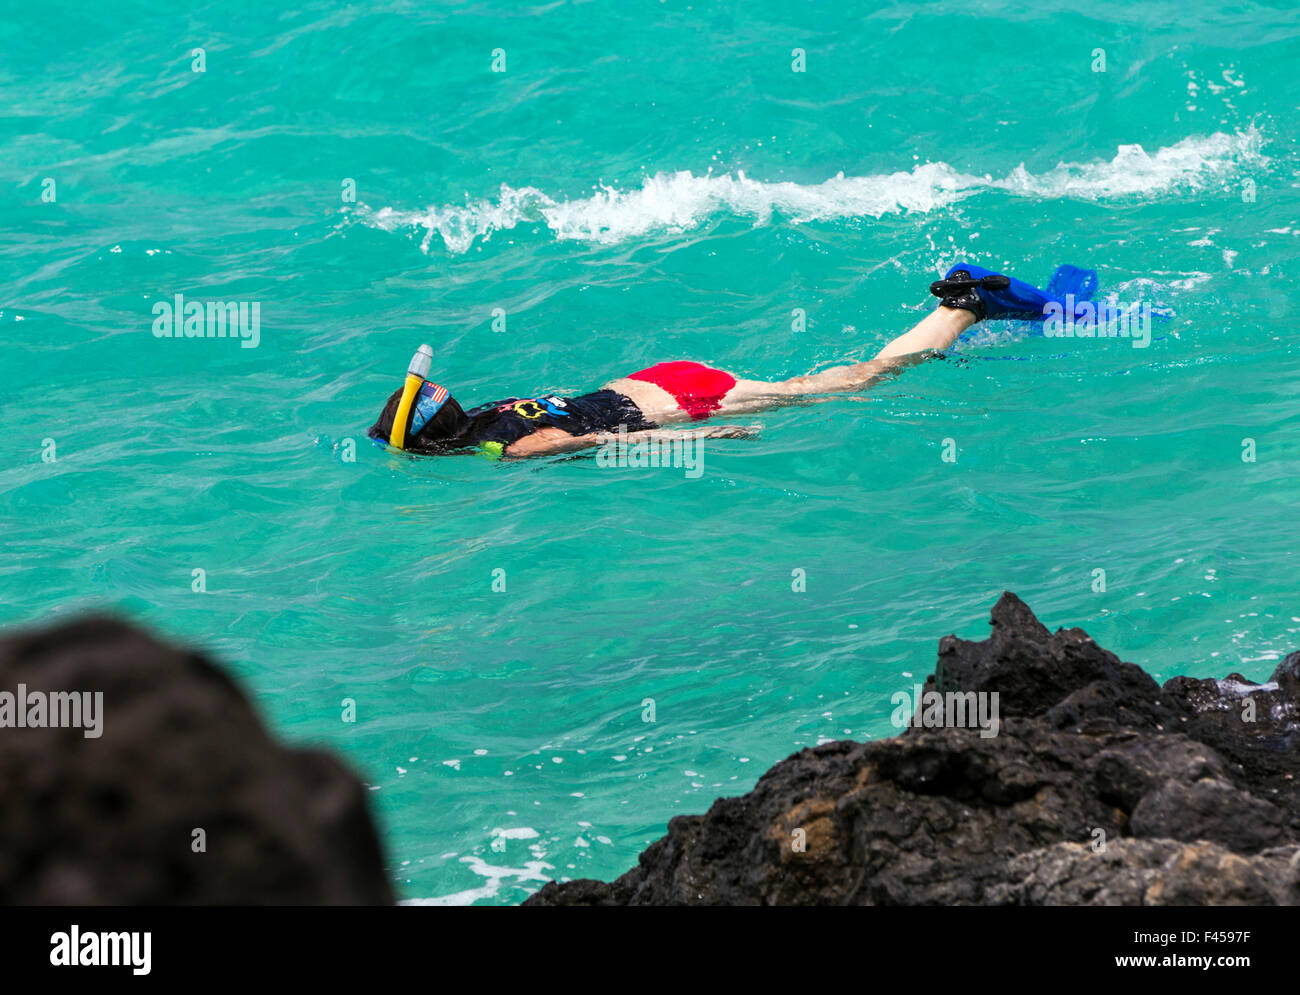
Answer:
(111, 820)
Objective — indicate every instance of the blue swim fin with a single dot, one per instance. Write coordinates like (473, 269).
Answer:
(1072, 280)
(992, 296)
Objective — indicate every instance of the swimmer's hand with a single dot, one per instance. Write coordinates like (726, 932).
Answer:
(549, 441)
(734, 431)
(670, 434)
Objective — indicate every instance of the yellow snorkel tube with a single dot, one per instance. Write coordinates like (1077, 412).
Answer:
(416, 374)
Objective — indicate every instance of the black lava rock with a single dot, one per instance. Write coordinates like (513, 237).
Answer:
(1100, 787)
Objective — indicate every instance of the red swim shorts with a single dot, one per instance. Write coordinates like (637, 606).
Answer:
(698, 389)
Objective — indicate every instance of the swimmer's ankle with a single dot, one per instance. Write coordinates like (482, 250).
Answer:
(962, 316)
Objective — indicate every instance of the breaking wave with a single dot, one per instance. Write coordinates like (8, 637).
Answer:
(680, 201)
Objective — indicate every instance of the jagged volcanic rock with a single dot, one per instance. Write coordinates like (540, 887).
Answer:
(1100, 787)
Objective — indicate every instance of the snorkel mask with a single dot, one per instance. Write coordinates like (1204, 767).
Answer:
(426, 396)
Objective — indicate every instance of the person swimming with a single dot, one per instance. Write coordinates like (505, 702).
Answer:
(422, 416)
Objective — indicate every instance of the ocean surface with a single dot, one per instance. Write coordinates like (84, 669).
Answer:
(642, 181)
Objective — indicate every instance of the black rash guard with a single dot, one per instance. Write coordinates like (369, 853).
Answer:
(494, 426)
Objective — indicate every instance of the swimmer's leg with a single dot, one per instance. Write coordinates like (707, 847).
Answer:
(936, 332)
(968, 294)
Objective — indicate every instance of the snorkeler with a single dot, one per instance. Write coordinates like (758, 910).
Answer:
(422, 417)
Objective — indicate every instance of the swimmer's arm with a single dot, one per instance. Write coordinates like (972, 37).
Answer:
(548, 441)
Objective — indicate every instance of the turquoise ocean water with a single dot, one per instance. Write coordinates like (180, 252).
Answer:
(644, 181)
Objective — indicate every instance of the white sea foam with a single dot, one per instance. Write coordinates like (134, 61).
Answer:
(493, 875)
(668, 202)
